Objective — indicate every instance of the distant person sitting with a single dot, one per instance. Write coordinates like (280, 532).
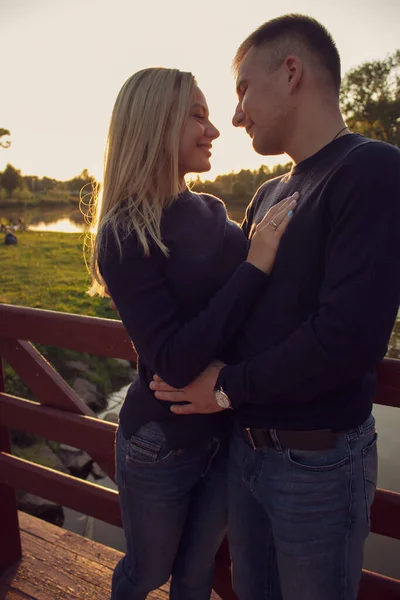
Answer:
(20, 225)
(10, 238)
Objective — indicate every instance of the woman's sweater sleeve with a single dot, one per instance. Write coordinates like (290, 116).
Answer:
(177, 351)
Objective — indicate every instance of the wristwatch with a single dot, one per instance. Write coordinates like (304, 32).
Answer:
(222, 399)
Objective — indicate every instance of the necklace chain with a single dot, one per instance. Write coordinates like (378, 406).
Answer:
(339, 132)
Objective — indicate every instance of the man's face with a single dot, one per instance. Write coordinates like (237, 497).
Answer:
(264, 103)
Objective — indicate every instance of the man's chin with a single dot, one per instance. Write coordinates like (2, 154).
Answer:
(265, 149)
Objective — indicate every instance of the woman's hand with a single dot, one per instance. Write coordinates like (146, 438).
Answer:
(268, 233)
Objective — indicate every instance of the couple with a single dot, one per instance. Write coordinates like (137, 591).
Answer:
(257, 346)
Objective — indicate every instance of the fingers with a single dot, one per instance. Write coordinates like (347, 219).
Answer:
(283, 215)
(281, 205)
(170, 396)
(162, 386)
(277, 219)
(188, 409)
(280, 230)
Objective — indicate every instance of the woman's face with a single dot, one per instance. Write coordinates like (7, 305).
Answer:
(197, 137)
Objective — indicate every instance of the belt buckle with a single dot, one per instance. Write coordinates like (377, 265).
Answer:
(250, 437)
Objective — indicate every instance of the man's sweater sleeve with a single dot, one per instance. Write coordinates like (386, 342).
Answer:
(177, 351)
(359, 297)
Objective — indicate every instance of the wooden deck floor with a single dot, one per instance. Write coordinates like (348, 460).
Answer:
(60, 565)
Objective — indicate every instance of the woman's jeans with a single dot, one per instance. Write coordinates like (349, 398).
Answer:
(298, 519)
(174, 511)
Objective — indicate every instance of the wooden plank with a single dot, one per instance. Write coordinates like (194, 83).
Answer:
(68, 562)
(51, 571)
(82, 496)
(104, 337)
(8, 593)
(10, 552)
(103, 555)
(385, 513)
(378, 587)
(47, 385)
(80, 546)
(35, 577)
(94, 436)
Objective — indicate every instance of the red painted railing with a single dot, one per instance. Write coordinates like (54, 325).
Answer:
(63, 417)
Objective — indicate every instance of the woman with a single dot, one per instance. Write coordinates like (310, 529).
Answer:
(183, 281)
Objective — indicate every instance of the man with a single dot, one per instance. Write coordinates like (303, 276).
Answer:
(301, 377)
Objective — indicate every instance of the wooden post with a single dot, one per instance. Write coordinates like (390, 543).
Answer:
(10, 548)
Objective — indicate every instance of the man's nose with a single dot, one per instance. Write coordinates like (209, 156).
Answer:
(238, 118)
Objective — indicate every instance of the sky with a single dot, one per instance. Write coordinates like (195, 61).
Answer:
(63, 63)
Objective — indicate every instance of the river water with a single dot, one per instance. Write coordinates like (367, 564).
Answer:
(382, 554)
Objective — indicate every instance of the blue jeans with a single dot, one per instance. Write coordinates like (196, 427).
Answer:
(298, 519)
(174, 513)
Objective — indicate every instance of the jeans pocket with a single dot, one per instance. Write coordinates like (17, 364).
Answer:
(370, 472)
(147, 452)
(319, 460)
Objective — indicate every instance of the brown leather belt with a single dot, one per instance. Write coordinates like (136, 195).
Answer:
(319, 439)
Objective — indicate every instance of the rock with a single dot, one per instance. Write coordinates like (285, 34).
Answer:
(123, 362)
(44, 455)
(98, 472)
(41, 508)
(84, 388)
(77, 462)
(111, 417)
(22, 438)
(77, 365)
(89, 394)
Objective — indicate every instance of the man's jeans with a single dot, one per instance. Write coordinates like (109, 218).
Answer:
(298, 519)
(174, 512)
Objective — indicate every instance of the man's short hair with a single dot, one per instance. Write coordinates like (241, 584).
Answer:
(288, 35)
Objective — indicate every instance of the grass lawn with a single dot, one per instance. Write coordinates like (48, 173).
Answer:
(47, 270)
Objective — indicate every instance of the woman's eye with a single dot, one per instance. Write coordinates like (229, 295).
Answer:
(199, 117)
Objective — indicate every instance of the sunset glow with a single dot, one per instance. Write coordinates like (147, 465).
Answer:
(67, 61)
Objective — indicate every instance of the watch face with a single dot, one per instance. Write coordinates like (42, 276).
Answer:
(222, 399)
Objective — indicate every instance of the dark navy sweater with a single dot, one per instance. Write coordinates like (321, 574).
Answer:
(181, 312)
(306, 357)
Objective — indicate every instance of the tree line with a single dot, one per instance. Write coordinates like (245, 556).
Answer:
(370, 101)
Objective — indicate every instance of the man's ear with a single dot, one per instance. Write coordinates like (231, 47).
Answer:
(294, 72)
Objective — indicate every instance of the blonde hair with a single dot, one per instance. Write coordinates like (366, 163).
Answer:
(141, 161)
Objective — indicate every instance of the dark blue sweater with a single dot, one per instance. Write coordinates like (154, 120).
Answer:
(306, 357)
(182, 311)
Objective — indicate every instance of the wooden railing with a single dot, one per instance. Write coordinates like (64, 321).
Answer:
(63, 417)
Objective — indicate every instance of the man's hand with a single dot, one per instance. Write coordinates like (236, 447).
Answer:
(199, 393)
